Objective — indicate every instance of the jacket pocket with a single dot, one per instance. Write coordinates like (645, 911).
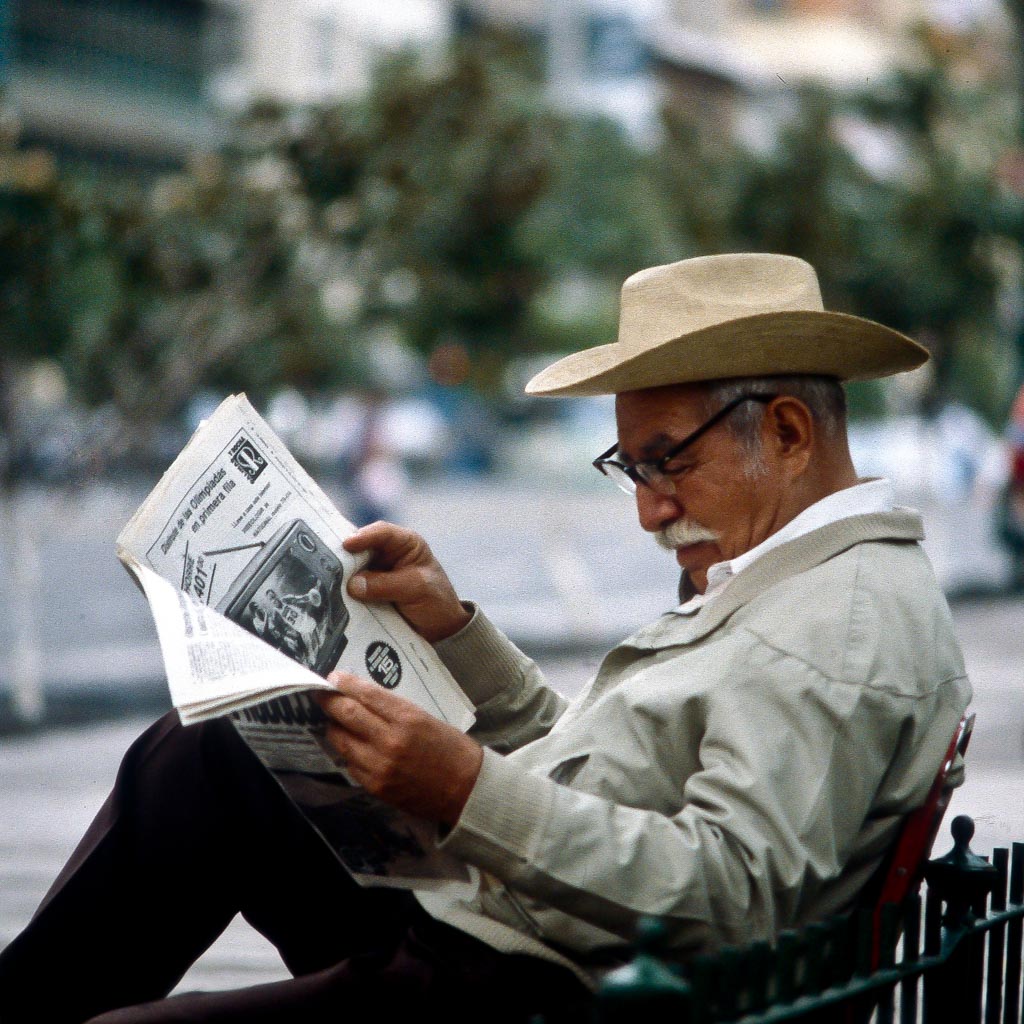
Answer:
(565, 771)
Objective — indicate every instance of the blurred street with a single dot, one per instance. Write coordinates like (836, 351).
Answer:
(552, 569)
(556, 569)
(565, 575)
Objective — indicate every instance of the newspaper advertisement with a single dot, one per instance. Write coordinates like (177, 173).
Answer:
(239, 554)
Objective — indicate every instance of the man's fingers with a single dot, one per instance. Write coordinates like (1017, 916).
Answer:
(389, 543)
(365, 537)
(375, 699)
(353, 716)
(358, 754)
(397, 569)
(397, 586)
(397, 751)
(403, 571)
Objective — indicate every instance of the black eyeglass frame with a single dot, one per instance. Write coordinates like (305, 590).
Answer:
(646, 471)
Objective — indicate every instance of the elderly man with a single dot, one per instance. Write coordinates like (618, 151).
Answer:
(737, 767)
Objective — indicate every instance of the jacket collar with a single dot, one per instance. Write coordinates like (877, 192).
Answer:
(797, 556)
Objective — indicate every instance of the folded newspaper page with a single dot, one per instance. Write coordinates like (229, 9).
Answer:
(239, 554)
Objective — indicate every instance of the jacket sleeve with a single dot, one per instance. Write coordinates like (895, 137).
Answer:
(513, 705)
(789, 766)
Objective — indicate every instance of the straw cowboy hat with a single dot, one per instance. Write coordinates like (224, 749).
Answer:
(737, 315)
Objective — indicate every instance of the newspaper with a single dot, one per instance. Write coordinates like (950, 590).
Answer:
(239, 553)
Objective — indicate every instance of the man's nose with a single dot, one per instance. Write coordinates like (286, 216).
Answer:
(655, 510)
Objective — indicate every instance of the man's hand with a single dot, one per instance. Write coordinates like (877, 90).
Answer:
(404, 571)
(398, 752)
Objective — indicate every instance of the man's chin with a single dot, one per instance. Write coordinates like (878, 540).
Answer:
(693, 557)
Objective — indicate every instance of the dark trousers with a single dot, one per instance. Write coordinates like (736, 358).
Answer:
(196, 831)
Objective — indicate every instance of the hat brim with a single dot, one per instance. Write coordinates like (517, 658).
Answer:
(767, 344)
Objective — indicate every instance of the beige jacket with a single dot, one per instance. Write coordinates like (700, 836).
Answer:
(735, 773)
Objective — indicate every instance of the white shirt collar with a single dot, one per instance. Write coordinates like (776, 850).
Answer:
(862, 499)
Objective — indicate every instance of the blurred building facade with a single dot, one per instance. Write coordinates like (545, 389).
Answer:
(146, 80)
(596, 51)
(725, 66)
(147, 83)
(117, 80)
(736, 60)
(311, 51)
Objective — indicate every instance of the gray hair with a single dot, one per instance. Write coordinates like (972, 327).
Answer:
(823, 396)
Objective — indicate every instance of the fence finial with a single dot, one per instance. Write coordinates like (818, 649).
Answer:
(961, 877)
(644, 985)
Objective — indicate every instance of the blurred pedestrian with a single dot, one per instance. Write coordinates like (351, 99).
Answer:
(377, 479)
(1011, 505)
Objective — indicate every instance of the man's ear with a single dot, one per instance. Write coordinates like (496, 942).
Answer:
(788, 429)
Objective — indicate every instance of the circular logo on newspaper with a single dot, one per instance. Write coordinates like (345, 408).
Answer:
(383, 665)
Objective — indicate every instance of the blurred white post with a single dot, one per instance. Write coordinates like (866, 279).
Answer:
(565, 51)
(574, 584)
(25, 662)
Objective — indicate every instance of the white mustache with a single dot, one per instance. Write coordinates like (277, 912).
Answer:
(682, 533)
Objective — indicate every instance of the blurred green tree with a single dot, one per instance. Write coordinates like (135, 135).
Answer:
(439, 208)
(452, 204)
(458, 201)
(198, 277)
(602, 217)
(33, 221)
(428, 182)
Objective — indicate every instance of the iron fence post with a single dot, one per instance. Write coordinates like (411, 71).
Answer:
(645, 989)
(962, 880)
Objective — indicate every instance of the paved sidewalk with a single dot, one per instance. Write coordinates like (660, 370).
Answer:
(992, 636)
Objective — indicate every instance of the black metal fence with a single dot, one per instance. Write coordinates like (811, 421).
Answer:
(952, 954)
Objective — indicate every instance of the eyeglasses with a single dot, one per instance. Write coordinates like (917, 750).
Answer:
(653, 472)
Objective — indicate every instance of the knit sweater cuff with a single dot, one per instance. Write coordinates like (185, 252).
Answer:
(503, 819)
(483, 661)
